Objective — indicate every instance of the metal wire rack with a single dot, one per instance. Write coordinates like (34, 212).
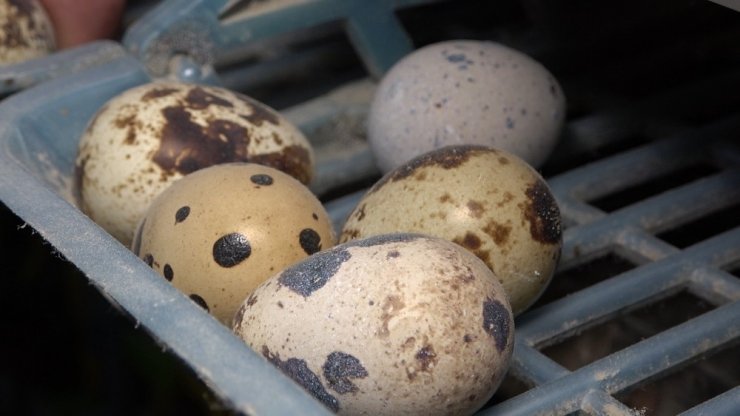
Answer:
(630, 203)
(663, 270)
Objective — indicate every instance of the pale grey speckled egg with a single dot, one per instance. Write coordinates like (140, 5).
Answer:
(26, 31)
(465, 92)
(144, 139)
(487, 200)
(398, 324)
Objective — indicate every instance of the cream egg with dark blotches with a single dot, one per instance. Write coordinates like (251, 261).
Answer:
(147, 137)
(398, 324)
(486, 200)
(217, 233)
(26, 32)
(465, 92)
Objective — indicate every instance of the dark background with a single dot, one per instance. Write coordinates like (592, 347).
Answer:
(66, 351)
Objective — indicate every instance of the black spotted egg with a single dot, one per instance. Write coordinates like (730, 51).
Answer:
(147, 137)
(487, 200)
(465, 92)
(396, 324)
(217, 233)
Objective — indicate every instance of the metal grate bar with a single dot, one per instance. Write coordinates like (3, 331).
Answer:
(726, 404)
(534, 367)
(670, 348)
(615, 173)
(642, 247)
(574, 211)
(678, 206)
(715, 286)
(629, 366)
(638, 285)
(658, 213)
(599, 403)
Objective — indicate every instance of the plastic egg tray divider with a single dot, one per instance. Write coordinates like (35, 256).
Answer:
(39, 128)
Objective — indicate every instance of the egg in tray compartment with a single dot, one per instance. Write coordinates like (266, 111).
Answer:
(372, 264)
(219, 232)
(147, 137)
(392, 324)
(197, 181)
(223, 226)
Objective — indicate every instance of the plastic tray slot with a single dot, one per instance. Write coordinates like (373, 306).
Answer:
(194, 28)
(628, 367)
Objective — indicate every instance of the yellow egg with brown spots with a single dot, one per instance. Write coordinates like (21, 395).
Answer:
(217, 233)
(486, 200)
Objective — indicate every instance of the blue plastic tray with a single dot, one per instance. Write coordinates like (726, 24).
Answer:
(40, 127)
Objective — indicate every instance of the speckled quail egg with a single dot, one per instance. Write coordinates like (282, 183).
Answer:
(219, 232)
(398, 324)
(488, 201)
(465, 92)
(147, 137)
(26, 33)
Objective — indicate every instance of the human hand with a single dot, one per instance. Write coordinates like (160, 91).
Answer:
(81, 21)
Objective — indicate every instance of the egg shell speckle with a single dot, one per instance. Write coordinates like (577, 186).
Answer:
(486, 200)
(27, 32)
(397, 324)
(217, 233)
(147, 137)
(465, 92)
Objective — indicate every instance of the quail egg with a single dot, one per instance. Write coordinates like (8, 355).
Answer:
(219, 232)
(397, 324)
(486, 200)
(27, 32)
(147, 137)
(465, 92)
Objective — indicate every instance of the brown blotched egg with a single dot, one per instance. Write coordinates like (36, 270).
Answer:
(217, 233)
(465, 92)
(144, 139)
(488, 201)
(26, 33)
(399, 324)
